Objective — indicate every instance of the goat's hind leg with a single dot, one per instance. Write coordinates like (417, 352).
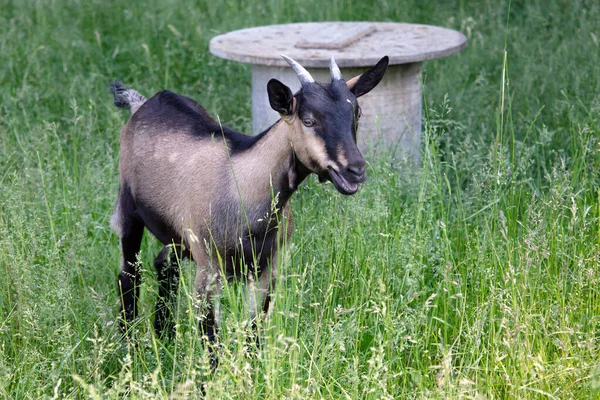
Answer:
(130, 229)
(167, 272)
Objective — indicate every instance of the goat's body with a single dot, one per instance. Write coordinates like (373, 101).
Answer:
(222, 197)
(217, 192)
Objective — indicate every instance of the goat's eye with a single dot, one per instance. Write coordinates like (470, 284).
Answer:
(358, 113)
(308, 122)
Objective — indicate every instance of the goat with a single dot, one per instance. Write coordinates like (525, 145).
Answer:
(222, 196)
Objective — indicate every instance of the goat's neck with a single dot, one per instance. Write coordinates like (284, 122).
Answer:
(269, 166)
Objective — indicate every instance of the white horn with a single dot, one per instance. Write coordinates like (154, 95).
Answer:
(336, 74)
(303, 75)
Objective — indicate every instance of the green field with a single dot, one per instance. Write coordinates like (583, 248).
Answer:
(476, 276)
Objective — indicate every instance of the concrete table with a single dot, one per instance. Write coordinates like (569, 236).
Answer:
(391, 117)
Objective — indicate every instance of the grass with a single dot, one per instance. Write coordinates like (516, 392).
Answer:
(477, 276)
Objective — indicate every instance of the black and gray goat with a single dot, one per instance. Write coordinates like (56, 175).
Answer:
(221, 197)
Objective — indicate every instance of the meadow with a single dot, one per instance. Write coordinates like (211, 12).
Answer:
(475, 276)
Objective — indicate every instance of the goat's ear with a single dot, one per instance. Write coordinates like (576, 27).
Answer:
(280, 97)
(365, 82)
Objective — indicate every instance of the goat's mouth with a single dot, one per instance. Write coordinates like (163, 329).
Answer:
(343, 184)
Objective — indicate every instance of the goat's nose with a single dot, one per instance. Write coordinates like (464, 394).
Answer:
(357, 168)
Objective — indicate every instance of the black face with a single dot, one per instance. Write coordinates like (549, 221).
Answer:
(327, 116)
(330, 113)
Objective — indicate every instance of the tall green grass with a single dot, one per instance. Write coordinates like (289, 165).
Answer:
(476, 276)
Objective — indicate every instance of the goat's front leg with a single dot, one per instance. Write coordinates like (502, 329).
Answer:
(267, 279)
(259, 292)
(208, 287)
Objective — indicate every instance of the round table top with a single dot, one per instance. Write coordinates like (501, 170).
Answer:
(353, 44)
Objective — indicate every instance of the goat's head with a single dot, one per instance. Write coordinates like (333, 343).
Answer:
(323, 120)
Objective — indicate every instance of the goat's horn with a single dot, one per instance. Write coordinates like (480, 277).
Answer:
(303, 75)
(336, 74)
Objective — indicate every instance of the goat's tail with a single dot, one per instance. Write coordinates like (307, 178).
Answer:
(127, 98)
